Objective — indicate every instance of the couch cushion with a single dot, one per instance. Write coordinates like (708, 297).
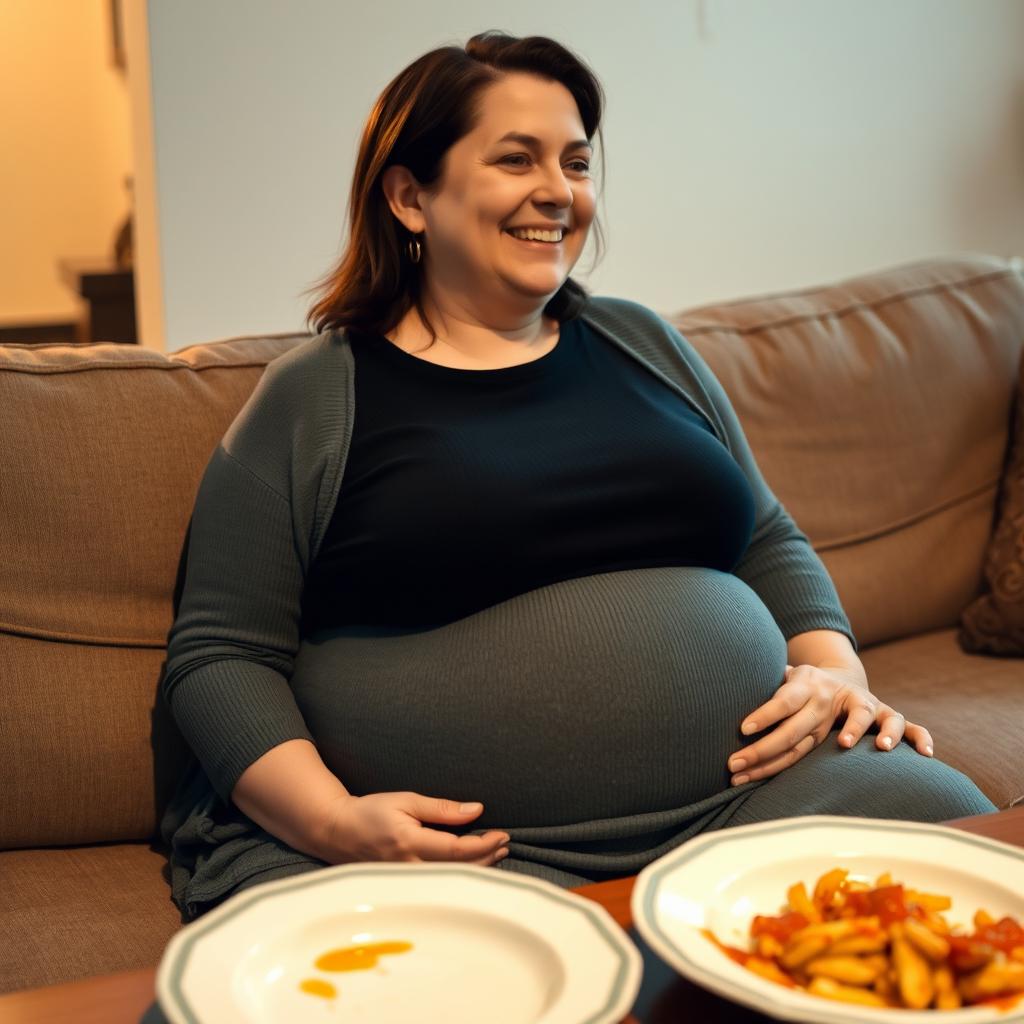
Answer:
(994, 622)
(104, 446)
(76, 912)
(879, 412)
(87, 752)
(106, 470)
(973, 706)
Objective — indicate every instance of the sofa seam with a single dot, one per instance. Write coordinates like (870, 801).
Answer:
(837, 314)
(52, 369)
(55, 636)
(908, 521)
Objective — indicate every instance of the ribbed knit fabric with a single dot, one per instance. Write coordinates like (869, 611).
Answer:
(603, 697)
(593, 716)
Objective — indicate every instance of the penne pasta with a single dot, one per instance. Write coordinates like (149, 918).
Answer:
(884, 945)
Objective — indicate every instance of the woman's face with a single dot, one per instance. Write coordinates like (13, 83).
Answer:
(524, 165)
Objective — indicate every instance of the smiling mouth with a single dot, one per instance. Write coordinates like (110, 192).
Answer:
(533, 235)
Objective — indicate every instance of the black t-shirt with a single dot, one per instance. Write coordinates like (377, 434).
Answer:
(464, 488)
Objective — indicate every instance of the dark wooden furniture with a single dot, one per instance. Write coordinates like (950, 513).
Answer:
(109, 294)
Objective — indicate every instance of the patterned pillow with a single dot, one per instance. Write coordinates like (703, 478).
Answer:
(994, 622)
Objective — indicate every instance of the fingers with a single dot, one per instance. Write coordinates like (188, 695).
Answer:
(431, 844)
(891, 726)
(495, 858)
(894, 727)
(787, 699)
(442, 812)
(794, 730)
(437, 845)
(781, 761)
(920, 738)
(859, 719)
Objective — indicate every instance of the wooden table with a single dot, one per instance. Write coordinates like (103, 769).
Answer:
(664, 997)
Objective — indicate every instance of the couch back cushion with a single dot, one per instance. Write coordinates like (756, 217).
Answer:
(103, 449)
(879, 411)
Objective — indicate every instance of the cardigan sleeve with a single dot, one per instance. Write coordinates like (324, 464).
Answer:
(232, 646)
(780, 564)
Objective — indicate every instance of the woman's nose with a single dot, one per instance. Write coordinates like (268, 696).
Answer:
(555, 190)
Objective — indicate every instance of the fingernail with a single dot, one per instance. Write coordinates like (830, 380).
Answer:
(505, 838)
(502, 854)
(468, 808)
(740, 779)
(737, 764)
(847, 738)
(929, 751)
(887, 743)
(748, 727)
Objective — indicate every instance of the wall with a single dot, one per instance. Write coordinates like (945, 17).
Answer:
(751, 146)
(65, 148)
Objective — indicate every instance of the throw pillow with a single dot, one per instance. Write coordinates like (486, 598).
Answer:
(994, 622)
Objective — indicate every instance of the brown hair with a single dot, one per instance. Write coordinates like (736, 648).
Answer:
(417, 118)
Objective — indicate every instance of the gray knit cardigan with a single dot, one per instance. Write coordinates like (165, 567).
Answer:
(267, 497)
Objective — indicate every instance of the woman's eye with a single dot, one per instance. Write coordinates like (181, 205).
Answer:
(578, 165)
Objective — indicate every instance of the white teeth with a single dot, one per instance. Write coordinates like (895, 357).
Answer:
(533, 235)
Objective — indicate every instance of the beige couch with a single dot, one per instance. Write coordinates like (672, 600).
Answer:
(879, 410)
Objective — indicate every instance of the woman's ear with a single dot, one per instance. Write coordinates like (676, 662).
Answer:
(402, 192)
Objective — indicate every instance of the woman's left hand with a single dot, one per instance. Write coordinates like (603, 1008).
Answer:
(808, 704)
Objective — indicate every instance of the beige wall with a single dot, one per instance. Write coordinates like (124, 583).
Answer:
(65, 148)
(752, 144)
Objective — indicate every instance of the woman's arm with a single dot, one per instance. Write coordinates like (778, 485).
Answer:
(291, 793)
(236, 633)
(825, 648)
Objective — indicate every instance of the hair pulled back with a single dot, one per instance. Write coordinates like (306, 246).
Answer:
(418, 117)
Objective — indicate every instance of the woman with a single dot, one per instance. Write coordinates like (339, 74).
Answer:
(485, 571)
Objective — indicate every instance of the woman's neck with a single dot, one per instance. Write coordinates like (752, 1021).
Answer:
(470, 344)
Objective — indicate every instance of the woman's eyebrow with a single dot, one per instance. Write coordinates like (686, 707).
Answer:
(532, 140)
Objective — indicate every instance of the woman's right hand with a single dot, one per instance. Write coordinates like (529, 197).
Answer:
(390, 827)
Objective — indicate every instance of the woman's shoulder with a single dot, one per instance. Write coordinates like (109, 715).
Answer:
(308, 384)
(637, 326)
(317, 353)
(626, 310)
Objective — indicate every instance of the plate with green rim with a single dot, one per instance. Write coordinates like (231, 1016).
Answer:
(398, 943)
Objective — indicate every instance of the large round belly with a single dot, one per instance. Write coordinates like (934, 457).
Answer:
(609, 695)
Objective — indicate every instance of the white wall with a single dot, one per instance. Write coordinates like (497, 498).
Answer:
(65, 148)
(751, 145)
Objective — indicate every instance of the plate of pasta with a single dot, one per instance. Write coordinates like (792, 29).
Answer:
(827, 919)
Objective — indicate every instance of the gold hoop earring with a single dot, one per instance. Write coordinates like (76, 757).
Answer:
(414, 249)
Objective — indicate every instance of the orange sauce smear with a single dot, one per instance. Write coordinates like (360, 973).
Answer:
(316, 987)
(742, 958)
(349, 958)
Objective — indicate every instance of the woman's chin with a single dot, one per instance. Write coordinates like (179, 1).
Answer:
(538, 288)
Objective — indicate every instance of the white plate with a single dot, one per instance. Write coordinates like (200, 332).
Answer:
(487, 945)
(719, 881)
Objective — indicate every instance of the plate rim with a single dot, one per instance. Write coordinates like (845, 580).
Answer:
(642, 905)
(622, 989)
